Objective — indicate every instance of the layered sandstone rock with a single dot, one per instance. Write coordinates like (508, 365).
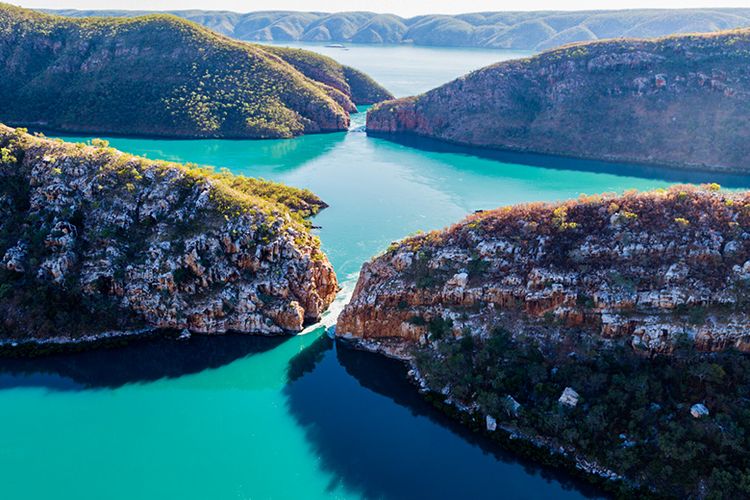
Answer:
(92, 239)
(649, 269)
(680, 101)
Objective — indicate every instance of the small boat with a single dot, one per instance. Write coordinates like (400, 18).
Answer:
(336, 46)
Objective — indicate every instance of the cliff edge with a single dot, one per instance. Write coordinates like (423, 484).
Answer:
(93, 241)
(608, 335)
(649, 268)
(680, 101)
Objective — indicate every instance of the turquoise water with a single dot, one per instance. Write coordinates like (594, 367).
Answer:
(407, 69)
(296, 418)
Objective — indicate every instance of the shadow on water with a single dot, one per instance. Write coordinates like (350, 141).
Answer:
(566, 163)
(144, 360)
(406, 450)
(255, 157)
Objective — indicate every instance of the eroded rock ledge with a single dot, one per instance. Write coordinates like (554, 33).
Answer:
(650, 269)
(95, 241)
(680, 101)
(603, 335)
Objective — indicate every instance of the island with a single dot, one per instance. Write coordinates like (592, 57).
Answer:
(606, 334)
(160, 75)
(680, 101)
(97, 244)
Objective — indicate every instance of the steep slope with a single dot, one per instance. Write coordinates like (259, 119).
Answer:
(607, 327)
(619, 267)
(352, 83)
(501, 30)
(680, 101)
(93, 240)
(158, 75)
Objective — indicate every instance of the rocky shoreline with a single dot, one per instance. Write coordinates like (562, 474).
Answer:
(593, 322)
(542, 449)
(529, 154)
(630, 101)
(95, 240)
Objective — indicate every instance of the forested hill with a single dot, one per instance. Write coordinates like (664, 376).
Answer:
(163, 75)
(502, 30)
(678, 101)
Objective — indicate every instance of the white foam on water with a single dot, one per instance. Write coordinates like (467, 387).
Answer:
(329, 318)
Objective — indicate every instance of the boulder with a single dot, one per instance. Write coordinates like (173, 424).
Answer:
(569, 398)
(490, 423)
(699, 410)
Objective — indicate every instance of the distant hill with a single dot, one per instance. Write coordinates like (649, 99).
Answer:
(501, 30)
(680, 101)
(164, 75)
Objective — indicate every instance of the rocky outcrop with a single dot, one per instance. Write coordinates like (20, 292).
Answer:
(55, 71)
(93, 241)
(680, 101)
(650, 270)
(606, 335)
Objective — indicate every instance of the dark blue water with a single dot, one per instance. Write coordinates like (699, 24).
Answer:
(246, 417)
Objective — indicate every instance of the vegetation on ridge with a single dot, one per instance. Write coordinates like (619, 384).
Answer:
(159, 75)
(501, 30)
(679, 101)
(92, 239)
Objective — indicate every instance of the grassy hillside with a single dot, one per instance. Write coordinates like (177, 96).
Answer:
(354, 84)
(160, 75)
(507, 30)
(678, 101)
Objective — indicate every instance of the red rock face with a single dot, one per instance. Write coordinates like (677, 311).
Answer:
(647, 269)
(679, 101)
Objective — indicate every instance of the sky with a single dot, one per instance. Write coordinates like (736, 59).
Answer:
(400, 7)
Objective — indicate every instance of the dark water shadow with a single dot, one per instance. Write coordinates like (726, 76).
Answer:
(344, 398)
(140, 361)
(668, 174)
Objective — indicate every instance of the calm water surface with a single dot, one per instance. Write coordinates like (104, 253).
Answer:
(298, 418)
(408, 70)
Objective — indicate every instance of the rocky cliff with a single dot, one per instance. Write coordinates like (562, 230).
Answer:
(94, 241)
(680, 101)
(649, 269)
(162, 75)
(605, 334)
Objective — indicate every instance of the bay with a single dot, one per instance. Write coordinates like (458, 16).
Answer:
(296, 417)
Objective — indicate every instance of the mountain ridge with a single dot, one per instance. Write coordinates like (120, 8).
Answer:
(630, 101)
(535, 30)
(96, 75)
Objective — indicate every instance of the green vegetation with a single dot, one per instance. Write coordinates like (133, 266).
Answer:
(634, 414)
(160, 75)
(192, 201)
(351, 82)
(511, 30)
(623, 100)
